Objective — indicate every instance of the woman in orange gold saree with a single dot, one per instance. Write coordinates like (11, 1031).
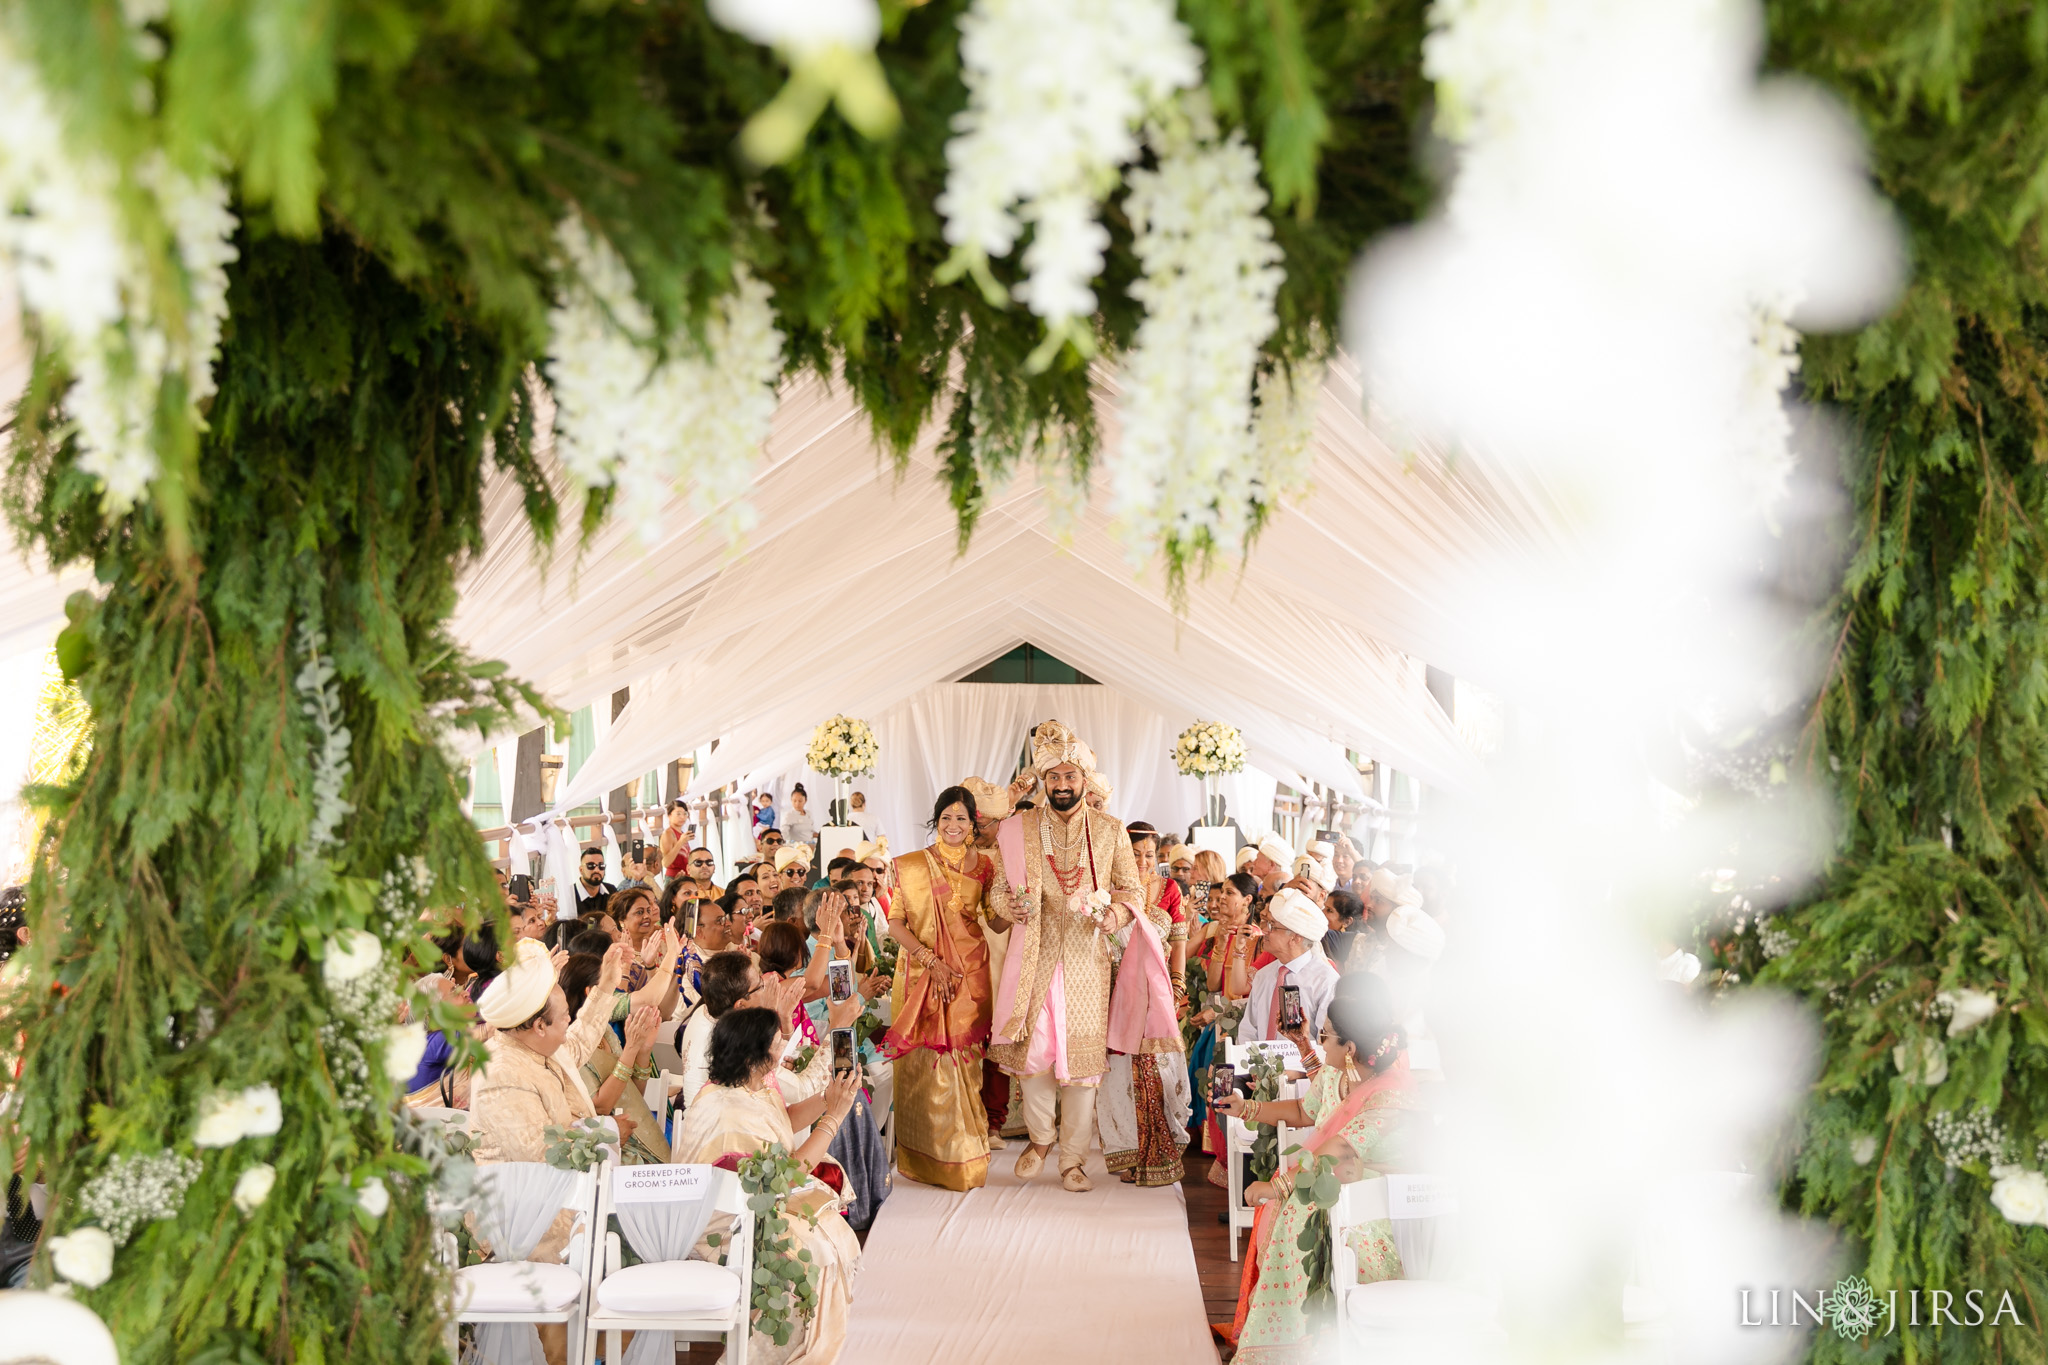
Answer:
(941, 1002)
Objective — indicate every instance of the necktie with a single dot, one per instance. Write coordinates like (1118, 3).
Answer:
(1273, 1014)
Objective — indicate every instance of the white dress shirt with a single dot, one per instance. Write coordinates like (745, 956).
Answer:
(1318, 981)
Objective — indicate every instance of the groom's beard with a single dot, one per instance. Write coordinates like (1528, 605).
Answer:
(1063, 801)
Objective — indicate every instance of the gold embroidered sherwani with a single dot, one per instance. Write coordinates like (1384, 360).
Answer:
(1087, 850)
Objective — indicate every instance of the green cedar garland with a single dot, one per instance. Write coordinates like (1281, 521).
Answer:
(343, 472)
(1929, 730)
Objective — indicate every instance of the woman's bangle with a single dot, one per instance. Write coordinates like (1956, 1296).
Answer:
(1251, 1112)
(622, 1072)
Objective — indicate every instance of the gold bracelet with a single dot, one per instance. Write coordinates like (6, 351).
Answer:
(622, 1072)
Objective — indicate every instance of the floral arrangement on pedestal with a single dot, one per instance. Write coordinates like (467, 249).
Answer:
(1209, 748)
(843, 747)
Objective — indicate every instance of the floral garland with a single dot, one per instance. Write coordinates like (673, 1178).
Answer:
(1189, 476)
(1208, 748)
(1055, 92)
(843, 747)
(69, 225)
(648, 424)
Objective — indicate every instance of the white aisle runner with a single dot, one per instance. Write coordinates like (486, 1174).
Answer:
(1015, 1274)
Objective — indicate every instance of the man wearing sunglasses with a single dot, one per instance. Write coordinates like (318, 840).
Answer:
(590, 882)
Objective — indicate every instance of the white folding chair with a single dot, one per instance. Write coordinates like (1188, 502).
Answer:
(516, 1203)
(664, 1053)
(662, 1212)
(1423, 1313)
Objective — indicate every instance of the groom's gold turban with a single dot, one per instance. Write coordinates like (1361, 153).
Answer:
(1052, 744)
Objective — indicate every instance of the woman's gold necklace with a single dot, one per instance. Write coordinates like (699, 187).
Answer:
(952, 859)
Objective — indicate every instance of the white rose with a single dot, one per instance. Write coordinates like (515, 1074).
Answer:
(1968, 1009)
(84, 1257)
(1862, 1147)
(2021, 1195)
(1924, 1061)
(221, 1121)
(349, 955)
(404, 1046)
(254, 1186)
(261, 1112)
(373, 1197)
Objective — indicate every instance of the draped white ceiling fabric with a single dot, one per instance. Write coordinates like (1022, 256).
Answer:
(852, 595)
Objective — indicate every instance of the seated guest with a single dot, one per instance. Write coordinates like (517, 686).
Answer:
(655, 947)
(480, 956)
(1230, 950)
(1362, 1107)
(615, 1071)
(738, 1114)
(786, 957)
(531, 1080)
(1294, 936)
(730, 980)
(1351, 945)
(788, 906)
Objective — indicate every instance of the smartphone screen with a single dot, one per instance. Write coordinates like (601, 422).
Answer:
(1290, 1007)
(1201, 896)
(522, 888)
(842, 1049)
(841, 977)
(687, 913)
(1222, 1080)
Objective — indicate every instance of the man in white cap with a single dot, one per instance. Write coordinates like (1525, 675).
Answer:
(1294, 936)
(1272, 862)
(793, 866)
(533, 1078)
(1066, 878)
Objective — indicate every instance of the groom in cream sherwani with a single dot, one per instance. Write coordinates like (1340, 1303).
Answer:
(1066, 879)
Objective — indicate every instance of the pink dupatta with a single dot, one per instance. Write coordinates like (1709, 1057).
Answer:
(1141, 1003)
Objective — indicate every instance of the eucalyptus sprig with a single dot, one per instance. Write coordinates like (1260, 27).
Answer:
(577, 1147)
(785, 1278)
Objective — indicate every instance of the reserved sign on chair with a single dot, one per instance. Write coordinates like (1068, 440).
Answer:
(660, 1184)
(1420, 1196)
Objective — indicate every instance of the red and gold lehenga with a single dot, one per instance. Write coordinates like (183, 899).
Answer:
(1142, 1114)
(934, 1045)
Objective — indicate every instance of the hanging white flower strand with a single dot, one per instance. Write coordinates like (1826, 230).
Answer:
(1194, 466)
(830, 48)
(1056, 90)
(625, 417)
(92, 288)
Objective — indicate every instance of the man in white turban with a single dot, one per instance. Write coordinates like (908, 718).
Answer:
(1294, 936)
(533, 1077)
(991, 807)
(793, 866)
(1272, 862)
(1066, 877)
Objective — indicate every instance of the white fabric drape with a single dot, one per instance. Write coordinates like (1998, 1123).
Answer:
(516, 1202)
(851, 595)
(663, 1230)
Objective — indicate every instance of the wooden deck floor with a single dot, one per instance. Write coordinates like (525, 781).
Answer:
(1211, 1239)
